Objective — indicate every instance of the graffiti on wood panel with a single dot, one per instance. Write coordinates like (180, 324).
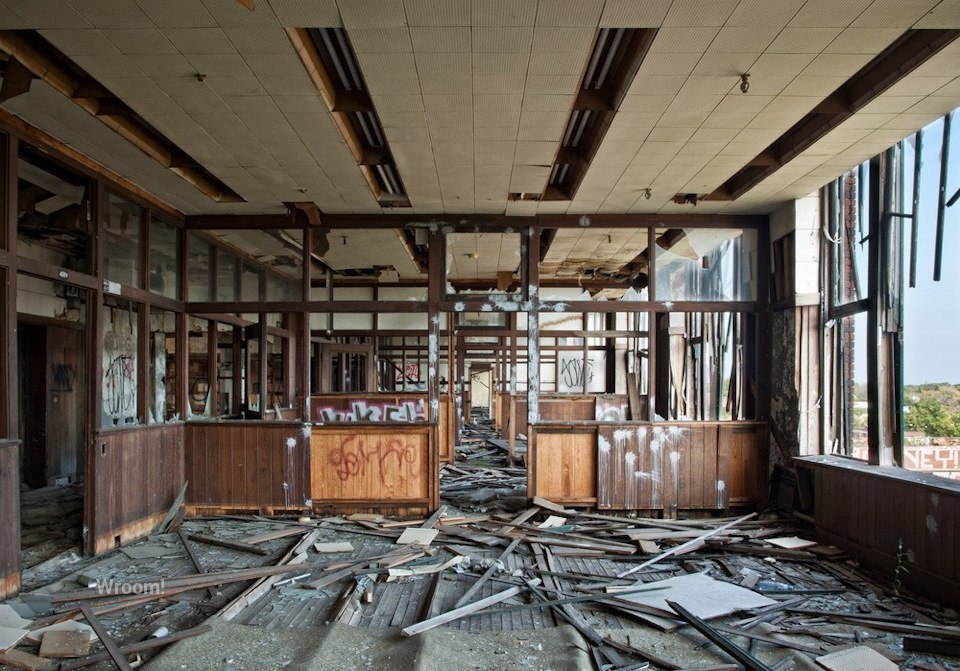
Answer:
(364, 411)
(64, 377)
(391, 458)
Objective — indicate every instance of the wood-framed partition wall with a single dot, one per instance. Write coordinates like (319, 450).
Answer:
(125, 456)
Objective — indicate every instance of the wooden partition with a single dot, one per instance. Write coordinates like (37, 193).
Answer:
(10, 515)
(374, 467)
(247, 466)
(888, 516)
(385, 407)
(136, 475)
(650, 466)
(557, 408)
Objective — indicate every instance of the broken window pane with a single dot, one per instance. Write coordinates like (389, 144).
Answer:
(706, 264)
(162, 368)
(198, 269)
(122, 243)
(120, 363)
(164, 258)
(53, 212)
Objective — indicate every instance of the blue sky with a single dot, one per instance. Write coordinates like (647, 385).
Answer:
(931, 310)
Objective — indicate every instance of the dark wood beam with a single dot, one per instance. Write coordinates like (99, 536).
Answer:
(16, 80)
(905, 55)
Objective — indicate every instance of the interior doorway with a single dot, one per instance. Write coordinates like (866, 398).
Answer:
(53, 359)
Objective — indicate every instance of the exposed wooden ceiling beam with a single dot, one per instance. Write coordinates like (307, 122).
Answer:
(909, 52)
(17, 79)
(46, 62)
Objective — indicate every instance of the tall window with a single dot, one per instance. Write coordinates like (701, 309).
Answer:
(122, 242)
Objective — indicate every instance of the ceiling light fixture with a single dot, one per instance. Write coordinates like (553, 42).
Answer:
(745, 82)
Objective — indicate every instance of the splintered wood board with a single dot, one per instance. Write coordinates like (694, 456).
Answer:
(333, 547)
(18, 659)
(63, 643)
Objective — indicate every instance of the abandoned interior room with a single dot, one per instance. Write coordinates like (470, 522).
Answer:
(480, 334)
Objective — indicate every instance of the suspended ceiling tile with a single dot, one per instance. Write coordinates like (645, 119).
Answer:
(699, 12)
(502, 39)
(569, 12)
(828, 14)
(437, 12)
(764, 12)
(945, 14)
(380, 40)
(718, 64)
(259, 39)
(503, 12)
(634, 13)
(857, 40)
(552, 84)
(901, 14)
(500, 64)
(372, 13)
(567, 41)
(200, 40)
(306, 13)
(803, 40)
(743, 39)
(449, 39)
(683, 40)
(83, 41)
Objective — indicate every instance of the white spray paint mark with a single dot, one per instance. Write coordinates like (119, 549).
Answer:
(603, 444)
(668, 304)
(932, 525)
(584, 221)
(305, 430)
(435, 404)
(721, 494)
(560, 307)
(621, 437)
(675, 466)
(641, 433)
(450, 289)
(935, 499)
(676, 431)
(291, 442)
(486, 307)
(630, 459)
(459, 306)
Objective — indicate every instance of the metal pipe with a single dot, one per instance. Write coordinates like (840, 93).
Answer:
(915, 223)
(941, 197)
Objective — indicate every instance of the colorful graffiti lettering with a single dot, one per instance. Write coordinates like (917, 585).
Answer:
(352, 458)
(363, 411)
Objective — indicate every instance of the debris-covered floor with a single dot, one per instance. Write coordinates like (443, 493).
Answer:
(483, 584)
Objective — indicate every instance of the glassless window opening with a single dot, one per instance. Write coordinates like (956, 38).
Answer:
(121, 365)
(122, 242)
(53, 212)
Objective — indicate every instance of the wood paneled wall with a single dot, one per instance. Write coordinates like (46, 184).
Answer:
(10, 517)
(247, 466)
(563, 467)
(553, 408)
(870, 510)
(643, 466)
(136, 474)
(373, 466)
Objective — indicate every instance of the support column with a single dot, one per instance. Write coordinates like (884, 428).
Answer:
(437, 250)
